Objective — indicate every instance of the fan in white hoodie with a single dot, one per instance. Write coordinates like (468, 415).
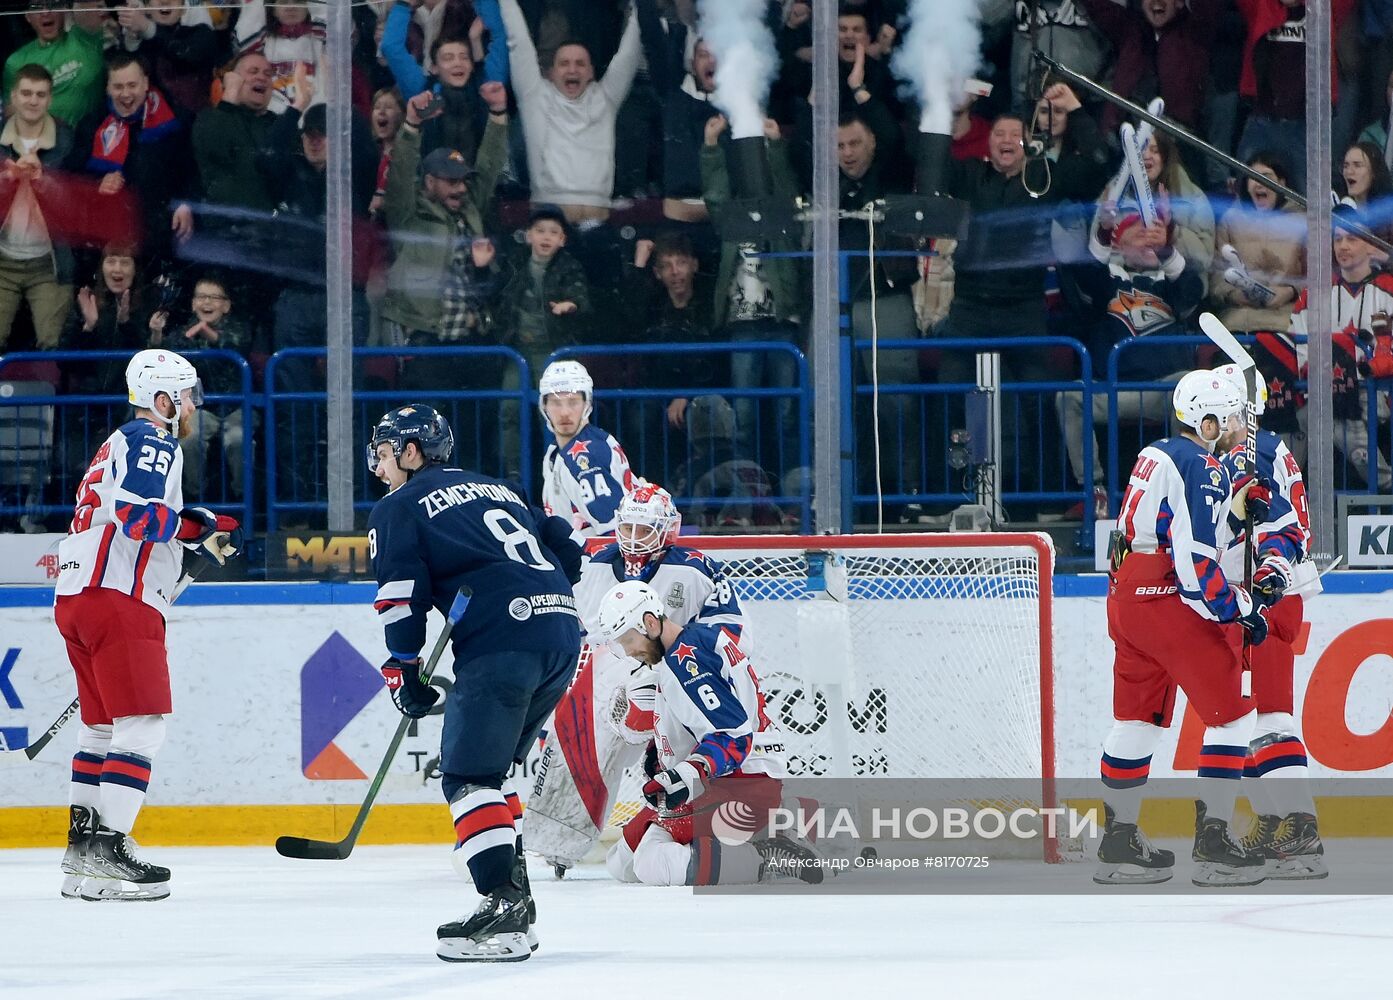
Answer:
(295, 37)
(568, 117)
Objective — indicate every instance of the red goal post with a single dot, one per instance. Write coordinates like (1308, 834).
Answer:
(901, 655)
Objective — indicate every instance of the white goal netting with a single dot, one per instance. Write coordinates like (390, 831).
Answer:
(900, 656)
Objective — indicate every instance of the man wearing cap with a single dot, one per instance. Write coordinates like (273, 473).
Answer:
(73, 56)
(437, 227)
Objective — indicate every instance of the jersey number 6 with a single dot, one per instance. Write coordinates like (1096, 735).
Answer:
(518, 542)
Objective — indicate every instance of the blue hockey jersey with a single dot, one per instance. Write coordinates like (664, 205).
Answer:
(709, 706)
(446, 527)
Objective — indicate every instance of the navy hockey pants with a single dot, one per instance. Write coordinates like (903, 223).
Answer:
(495, 710)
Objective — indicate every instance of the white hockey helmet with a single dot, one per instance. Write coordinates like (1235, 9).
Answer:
(651, 519)
(154, 371)
(565, 376)
(623, 608)
(1235, 375)
(1201, 394)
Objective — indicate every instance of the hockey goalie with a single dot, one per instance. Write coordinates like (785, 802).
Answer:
(585, 754)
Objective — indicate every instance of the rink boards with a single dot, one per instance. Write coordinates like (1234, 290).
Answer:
(280, 713)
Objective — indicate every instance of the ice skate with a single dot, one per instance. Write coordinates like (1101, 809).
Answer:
(1221, 861)
(520, 878)
(1297, 849)
(495, 932)
(82, 823)
(114, 872)
(785, 859)
(1127, 857)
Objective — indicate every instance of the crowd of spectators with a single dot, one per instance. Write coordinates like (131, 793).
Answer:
(542, 174)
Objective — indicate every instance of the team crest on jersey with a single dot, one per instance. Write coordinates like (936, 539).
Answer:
(674, 597)
(578, 447)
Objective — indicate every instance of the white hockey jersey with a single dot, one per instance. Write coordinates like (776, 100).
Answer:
(1287, 531)
(122, 535)
(691, 585)
(1177, 502)
(585, 480)
(709, 706)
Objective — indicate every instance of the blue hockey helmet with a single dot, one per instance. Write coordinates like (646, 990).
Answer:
(413, 422)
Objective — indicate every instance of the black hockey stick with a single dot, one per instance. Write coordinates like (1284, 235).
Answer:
(325, 850)
(11, 758)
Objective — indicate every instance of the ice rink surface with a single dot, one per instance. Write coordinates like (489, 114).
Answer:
(244, 923)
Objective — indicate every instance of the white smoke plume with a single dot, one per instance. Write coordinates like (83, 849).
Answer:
(940, 51)
(746, 60)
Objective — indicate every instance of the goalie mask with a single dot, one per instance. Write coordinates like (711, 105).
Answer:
(1203, 394)
(156, 371)
(648, 522)
(566, 376)
(414, 422)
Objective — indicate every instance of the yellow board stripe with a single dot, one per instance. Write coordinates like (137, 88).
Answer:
(240, 826)
(259, 826)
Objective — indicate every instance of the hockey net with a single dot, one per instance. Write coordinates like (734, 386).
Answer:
(900, 656)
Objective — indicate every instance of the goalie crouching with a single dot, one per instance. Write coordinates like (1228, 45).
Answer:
(709, 760)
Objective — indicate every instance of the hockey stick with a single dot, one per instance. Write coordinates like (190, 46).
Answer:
(326, 850)
(13, 758)
(1228, 343)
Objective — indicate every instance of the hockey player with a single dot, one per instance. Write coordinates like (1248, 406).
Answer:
(711, 745)
(1285, 834)
(585, 472)
(117, 569)
(514, 650)
(1168, 602)
(587, 750)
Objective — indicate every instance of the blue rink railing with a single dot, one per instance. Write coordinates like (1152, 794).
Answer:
(48, 432)
(48, 435)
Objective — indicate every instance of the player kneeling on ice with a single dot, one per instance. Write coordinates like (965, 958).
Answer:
(1170, 613)
(713, 774)
(119, 565)
(586, 753)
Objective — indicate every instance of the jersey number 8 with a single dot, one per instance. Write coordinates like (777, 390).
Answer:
(518, 543)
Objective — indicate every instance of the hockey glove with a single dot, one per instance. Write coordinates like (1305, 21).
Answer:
(215, 537)
(413, 698)
(674, 787)
(1378, 346)
(1251, 496)
(1271, 580)
(1254, 623)
(642, 696)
